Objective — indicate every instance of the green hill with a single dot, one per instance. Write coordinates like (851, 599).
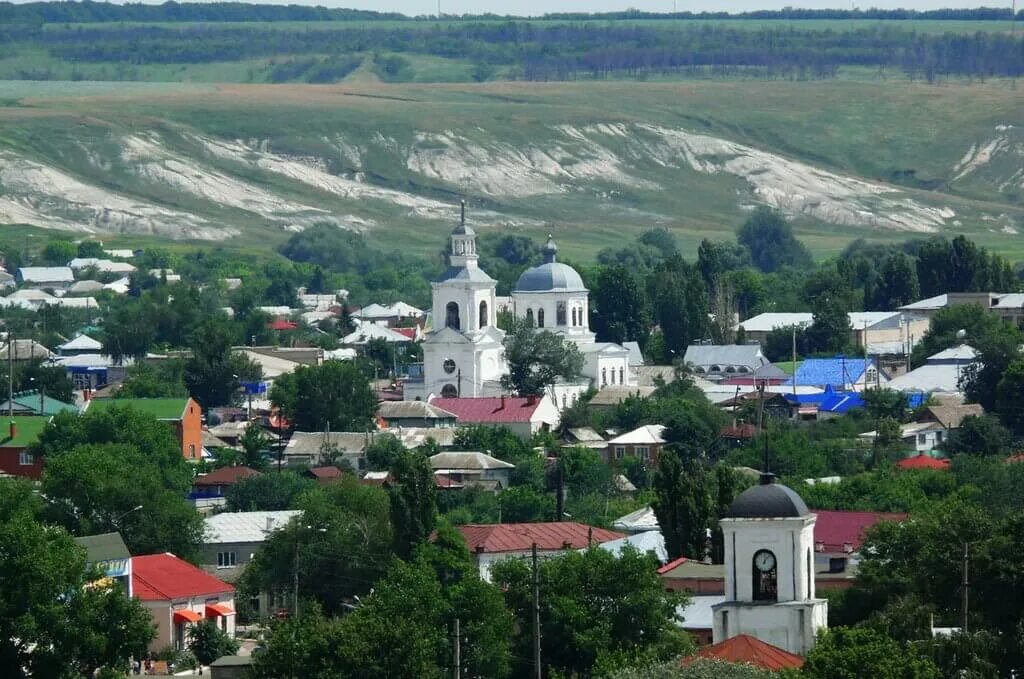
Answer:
(594, 162)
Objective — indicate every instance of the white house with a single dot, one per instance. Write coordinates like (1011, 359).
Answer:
(103, 265)
(769, 570)
(472, 469)
(923, 437)
(523, 415)
(57, 277)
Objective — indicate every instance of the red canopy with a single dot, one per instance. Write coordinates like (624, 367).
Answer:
(186, 615)
(216, 610)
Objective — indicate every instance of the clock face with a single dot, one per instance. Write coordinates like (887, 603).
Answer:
(764, 561)
(449, 366)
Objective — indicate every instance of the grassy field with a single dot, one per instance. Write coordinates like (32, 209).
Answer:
(609, 185)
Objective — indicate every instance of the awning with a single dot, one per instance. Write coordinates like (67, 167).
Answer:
(214, 610)
(185, 615)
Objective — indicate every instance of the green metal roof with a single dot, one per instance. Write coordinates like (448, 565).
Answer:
(104, 547)
(28, 428)
(160, 408)
(29, 402)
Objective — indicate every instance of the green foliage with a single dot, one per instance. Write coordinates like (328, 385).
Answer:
(383, 452)
(254, 443)
(684, 504)
(35, 375)
(577, 590)
(700, 668)
(537, 359)
(976, 321)
(771, 243)
(844, 653)
(413, 512)
(1009, 401)
(619, 310)
(979, 435)
(267, 492)
(897, 284)
(981, 380)
(58, 252)
(880, 402)
(207, 642)
(52, 623)
(523, 504)
(213, 374)
(884, 490)
(162, 379)
(961, 266)
(680, 303)
(334, 395)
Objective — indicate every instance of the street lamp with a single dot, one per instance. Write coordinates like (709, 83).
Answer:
(133, 509)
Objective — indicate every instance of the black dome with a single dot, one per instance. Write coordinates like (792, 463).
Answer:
(767, 501)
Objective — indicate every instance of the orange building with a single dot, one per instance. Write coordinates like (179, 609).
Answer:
(183, 414)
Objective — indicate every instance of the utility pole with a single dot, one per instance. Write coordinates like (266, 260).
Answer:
(536, 614)
(963, 629)
(10, 374)
(295, 574)
(794, 359)
(457, 652)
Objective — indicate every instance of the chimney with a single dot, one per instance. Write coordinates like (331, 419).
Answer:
(13, 429)
(531, 399)
(502, 402)
(848, 547)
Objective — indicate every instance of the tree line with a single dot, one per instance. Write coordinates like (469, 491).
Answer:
(555, 51)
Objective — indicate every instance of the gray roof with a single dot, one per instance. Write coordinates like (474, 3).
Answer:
(462, 460)
(725, 355)
(648, 541)
(610, 396)
(463, 273)
(231, 527)
(585, 434)
(46, 274)
(548, 277)
(354, 443)
(767, 501)
(636, 357)
(412, 410)
(103, 547)
(232, 661)
(82, 343)
(25, 349)
(85, 286)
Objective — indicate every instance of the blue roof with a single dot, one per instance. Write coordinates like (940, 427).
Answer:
(840, 402)
(835, 372)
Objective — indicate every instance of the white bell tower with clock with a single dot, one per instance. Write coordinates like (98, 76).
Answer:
(769, 570)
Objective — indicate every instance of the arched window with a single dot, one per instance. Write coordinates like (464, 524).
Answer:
(529, 317)
(449, 391)
(613, 375)
(574, 317)
(622, 374)
(604, 376)
(563, 401)
(766, 571)
(560, 314)
(483, 314)
(540, 318)
(451, 316)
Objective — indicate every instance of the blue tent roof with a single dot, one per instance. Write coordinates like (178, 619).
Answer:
(835, 372)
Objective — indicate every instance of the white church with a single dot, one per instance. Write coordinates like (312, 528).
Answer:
(463, 355)
(769, 570)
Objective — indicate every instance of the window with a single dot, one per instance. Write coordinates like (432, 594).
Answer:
(564, 401)
(483, 314)
(225, 559)
(613, 375)
(81, 381)
(643, 452)
(448, 365)
(922, 438)
(451, 316)
(765, 571)
(938, 436)
(622, 375)
(620, 452)
(449, 391)
(540, 318)
(192, 450)
(26, 458)
(560, 314)
(529, 317)
(574, 323)
(604, 376)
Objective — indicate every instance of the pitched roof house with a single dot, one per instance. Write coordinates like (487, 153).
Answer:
(16, 436)
(524, 415)
(183, 414)
(749, 650)
(644, 442)
(843, 373)
(490, 543)
(414, 414)
(721, 360)
(472, 469)
(46, 276)
(218, 481)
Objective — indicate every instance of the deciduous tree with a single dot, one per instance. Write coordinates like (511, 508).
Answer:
(334, 395)
(537, 359)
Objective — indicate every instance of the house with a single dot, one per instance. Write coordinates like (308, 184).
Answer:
(472, 469)
(217, 482)
(83, 344)
(697, 618)
(414, 414)
(941, 372)
(325, 475)
(379, 479)
(923, 461)
(609, 397)
(922, 437)
(35, 403)
(231, 667)
(308, 448)
(644, 442)
(886, 331)
(927, 308)
(388, 316)
(649, 542)
(165, 275)
(183, 414)
(838, 538)
(749, 650)
(6, 279)
(24, 350)
(523, 415)
(583, 437)
(87, 287)
(639, 521)
(368, 332)
(842, 373)
(178, 595)
(232, 539)
(55, 277)
(950, 416)
(490, 543)
(718, 361)
(693, 576)
(101, 265)
(94, 371)
(19, 434)
(108, 554)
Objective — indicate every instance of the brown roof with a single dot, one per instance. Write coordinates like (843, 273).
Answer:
(226, 476)
(326, 474)
(751, 650)
(950, 416)
(518, 537)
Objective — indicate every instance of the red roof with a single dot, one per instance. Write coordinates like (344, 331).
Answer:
(743, 648)
(445, 481)
(740, 431)
(408, 332)
(672, 564)
(495, 409)
(518, 537)
(225, 476)
(165, 577)
(835, 529)
(922, 462)
(326, 472)
(281, 324)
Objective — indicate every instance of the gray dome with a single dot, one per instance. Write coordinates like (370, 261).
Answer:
(550, 277)
(767, 500)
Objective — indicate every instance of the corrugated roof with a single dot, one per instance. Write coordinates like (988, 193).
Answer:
(648, 541)
(922, 462)
(929, 304)
(836, 529)
(368, 332)
(698, 613)
(648, 433)
(494, 409)
(941, 377)
(225, 476)
(642, 519)
(24, 349)
(412, 410)
(767, 322)
(584, 434)
(46, 274)
(165, 577)
(949, 416)
(684, 567)
(708, 356)
(836, 372)
(82, 343)
(744, 648)
(30, 403)
(469, 461)
(244, 526)
(103, 547)
(961, 352)
(518, 537)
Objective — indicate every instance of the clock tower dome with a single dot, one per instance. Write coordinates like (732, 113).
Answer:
(769, 570)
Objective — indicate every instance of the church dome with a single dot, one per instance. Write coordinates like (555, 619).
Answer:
(768, 500)
(551, 276)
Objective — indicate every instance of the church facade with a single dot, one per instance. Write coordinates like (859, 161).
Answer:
(464, 355)
(769, 570)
